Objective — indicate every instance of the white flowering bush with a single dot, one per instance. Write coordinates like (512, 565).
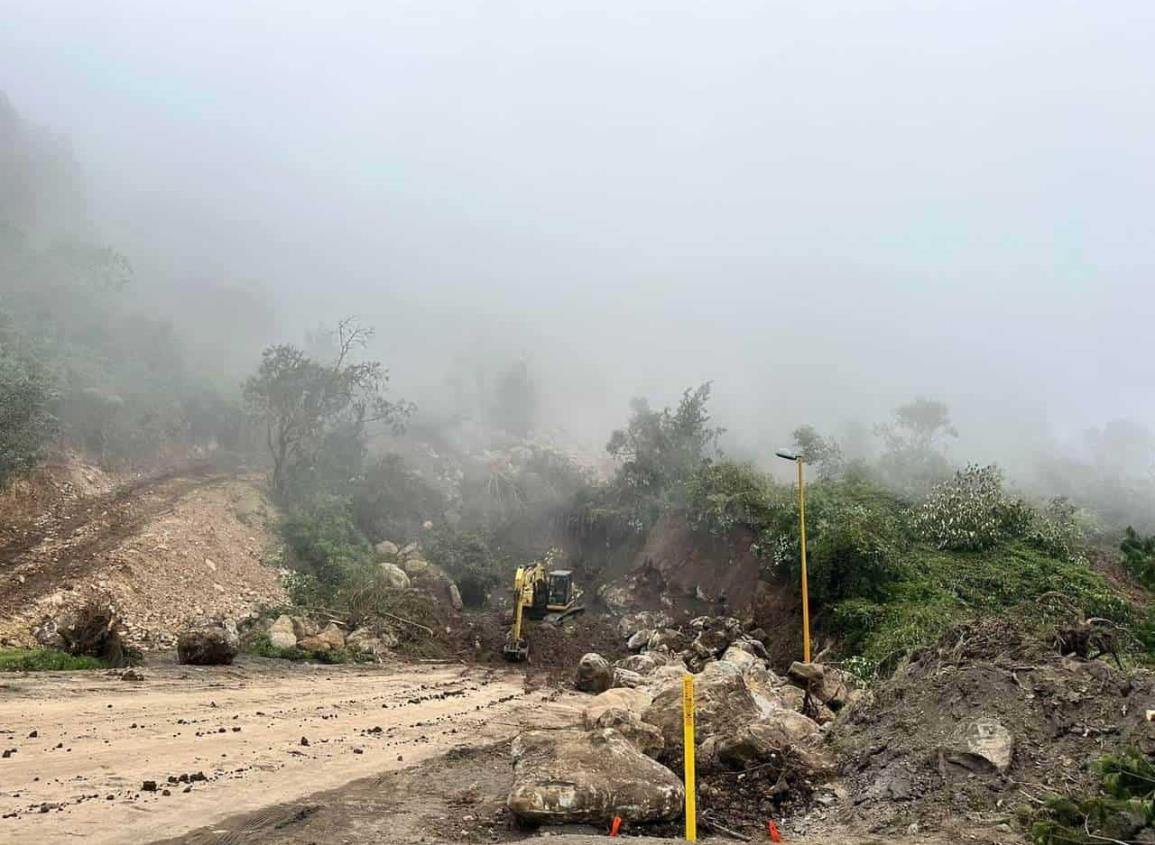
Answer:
(971, 511)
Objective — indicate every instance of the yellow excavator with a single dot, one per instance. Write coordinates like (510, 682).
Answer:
(539, 593)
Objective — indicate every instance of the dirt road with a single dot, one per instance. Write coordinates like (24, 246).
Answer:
(81, 747)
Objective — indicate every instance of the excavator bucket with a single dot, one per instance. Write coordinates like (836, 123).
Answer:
(516, 650)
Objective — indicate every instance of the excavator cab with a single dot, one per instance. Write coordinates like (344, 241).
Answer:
(560, 585)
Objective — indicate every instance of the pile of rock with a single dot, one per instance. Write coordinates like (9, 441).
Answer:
(403, 567)
(287, 632)
(748, 719)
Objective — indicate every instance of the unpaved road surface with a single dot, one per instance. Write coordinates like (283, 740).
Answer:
(82, 745)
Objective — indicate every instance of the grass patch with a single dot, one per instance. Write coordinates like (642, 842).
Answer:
(46, 660)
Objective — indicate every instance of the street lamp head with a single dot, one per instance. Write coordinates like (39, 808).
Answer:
(789, 456)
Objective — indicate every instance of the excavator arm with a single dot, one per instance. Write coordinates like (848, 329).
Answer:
(516, 646)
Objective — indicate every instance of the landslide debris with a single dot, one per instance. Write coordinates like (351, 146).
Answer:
(990, 719)
(758, 755)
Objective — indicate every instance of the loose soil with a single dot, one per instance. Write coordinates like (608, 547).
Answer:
(161, 550)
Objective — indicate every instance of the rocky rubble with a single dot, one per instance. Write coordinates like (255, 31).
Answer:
(751, 724)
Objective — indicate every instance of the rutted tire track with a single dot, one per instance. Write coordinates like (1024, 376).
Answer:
(242, 727)
(64, 543)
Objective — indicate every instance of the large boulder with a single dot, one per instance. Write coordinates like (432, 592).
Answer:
(715, 633)
(837, 688)
(737, 656)
(370, 641)
(981, 745)
(573, 776)
(387, 549)
(415, 566)
(594, 674)
(806, 675)
(94, 629)
(667, 639)
(394, 576)
(621, 709)
(642, 735)
(644, 620)
(626, 678)
(786, 739)
(281, 633)
(330, 639)
(639, 640)
(723, 704)
(621, 698)
(455, 597)
(303, 627)
(643, 664)
(208, 643)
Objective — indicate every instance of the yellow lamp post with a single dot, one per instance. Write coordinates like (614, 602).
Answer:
(790, 456)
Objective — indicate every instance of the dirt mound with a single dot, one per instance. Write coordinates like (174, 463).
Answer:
(160, 551)
(905, 759)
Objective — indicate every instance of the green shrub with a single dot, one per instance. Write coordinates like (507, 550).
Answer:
(323, 542)
(304, 589)
(469, 561)
(971, 511)
(1057, 529)
(1139, 556)
(1123, 808)
(392, 501)
(46, 660)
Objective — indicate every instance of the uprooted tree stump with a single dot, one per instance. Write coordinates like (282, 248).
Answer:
(93, 630)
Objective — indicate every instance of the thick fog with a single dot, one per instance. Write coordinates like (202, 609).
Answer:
(827, 208)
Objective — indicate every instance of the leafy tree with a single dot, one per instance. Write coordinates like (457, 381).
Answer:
(26, 419)
(822, 453)
(1139, 556)
(307, 406)
(660, 449)
(914, 456)
(392, 501)
(515, 400)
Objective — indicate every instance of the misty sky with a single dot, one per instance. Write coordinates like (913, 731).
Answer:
(825, 207)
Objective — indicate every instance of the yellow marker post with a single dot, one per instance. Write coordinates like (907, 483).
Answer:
(688, 756)
(805, 586)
